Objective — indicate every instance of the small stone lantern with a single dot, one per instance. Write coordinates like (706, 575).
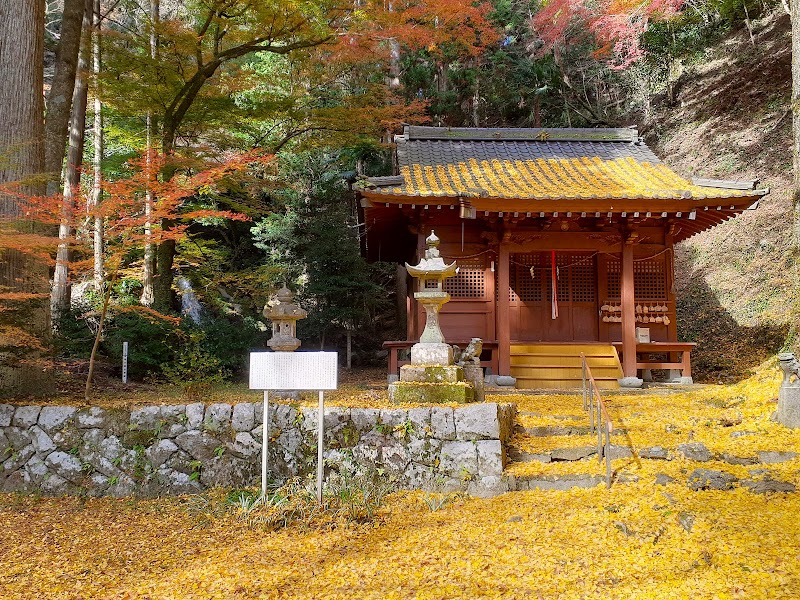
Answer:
(284, 317)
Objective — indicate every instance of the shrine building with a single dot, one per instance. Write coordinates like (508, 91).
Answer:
(564, 239)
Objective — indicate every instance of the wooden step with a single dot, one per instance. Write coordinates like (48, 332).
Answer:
(541, 348)
(558, 366)
(563, 384)
(530, 360)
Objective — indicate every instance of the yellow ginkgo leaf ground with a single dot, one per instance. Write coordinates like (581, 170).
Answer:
(627, 542)
(635, 540)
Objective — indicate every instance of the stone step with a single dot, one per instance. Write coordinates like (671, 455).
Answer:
(560, 430)
(694, 451)
(567, 454)
(563, 482)
(697, 480)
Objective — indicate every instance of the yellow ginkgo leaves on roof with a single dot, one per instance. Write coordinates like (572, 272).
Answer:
(543, 179)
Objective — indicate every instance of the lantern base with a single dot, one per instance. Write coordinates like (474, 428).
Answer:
(431, 354)
(431, 393)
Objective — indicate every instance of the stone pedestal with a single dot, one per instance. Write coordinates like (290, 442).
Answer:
(474, 375)
(431, 393)
(432, 384)
(432, 373)
(788, 413)
(431, 354)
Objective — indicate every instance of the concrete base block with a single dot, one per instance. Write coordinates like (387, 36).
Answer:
(630, 382)
(431, 374)
(788, 413)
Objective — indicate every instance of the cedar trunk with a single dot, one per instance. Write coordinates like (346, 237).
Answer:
(97, 189)
(61, 90)
(21, 159)
(149, 265)
(59, 297)
(21, 101)
(795, 106)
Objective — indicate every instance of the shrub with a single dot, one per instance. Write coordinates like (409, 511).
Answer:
(194, 368)
(151, 339)
(230, 341)
(74, 332)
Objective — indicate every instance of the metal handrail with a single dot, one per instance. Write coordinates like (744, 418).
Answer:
(593, 402)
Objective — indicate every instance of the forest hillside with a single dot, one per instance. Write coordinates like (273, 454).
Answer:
(731, 120)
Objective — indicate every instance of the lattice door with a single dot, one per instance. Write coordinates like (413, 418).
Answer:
(470, 282)
(531, 277)
(649, 279)
(525, 278)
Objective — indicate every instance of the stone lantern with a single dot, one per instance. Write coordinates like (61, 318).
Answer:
(431, 273)
(432, 377)
(284, 317)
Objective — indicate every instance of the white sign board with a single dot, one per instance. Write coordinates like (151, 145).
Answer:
(293, 370)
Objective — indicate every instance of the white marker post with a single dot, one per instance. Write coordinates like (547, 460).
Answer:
(124, 362)
(294, 371)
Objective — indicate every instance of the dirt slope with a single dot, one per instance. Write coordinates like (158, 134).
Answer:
(732, 121)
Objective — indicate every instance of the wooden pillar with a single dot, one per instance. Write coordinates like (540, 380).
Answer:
(503, 311)
(672, 328)
(628, 313)
(401, 291)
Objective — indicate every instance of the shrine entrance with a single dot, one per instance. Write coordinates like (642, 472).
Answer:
(569, 315)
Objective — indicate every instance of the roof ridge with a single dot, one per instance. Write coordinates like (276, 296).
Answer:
(536, 134)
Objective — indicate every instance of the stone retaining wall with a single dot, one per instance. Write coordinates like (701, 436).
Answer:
(179, 449)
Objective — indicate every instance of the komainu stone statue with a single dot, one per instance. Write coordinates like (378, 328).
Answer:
(788, 412)
(471, 354)
(791, 368)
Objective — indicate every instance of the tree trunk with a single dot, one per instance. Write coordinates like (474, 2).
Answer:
(149, 266)
(794, 332)
(97, 188)
(162, 282)
(476, 97)
(21, 159)
(59, 297)
(165, 251)
(61, 91)
(21, 101)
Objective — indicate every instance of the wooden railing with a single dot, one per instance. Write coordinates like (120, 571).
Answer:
(599, 419)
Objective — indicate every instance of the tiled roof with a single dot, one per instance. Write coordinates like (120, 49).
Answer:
(537, 164)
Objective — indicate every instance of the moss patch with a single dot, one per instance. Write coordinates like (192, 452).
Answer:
(431, 393)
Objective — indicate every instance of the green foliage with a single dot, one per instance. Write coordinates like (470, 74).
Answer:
(151, 340)
(229, 341)
(357, 491)
(505, 85)
(127, 291)
(194, 368)
(314, 243)
(352, 494)
(74, 333)
(699, 26)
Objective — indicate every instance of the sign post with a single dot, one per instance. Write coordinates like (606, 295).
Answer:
(293, 371)
(124, 362)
